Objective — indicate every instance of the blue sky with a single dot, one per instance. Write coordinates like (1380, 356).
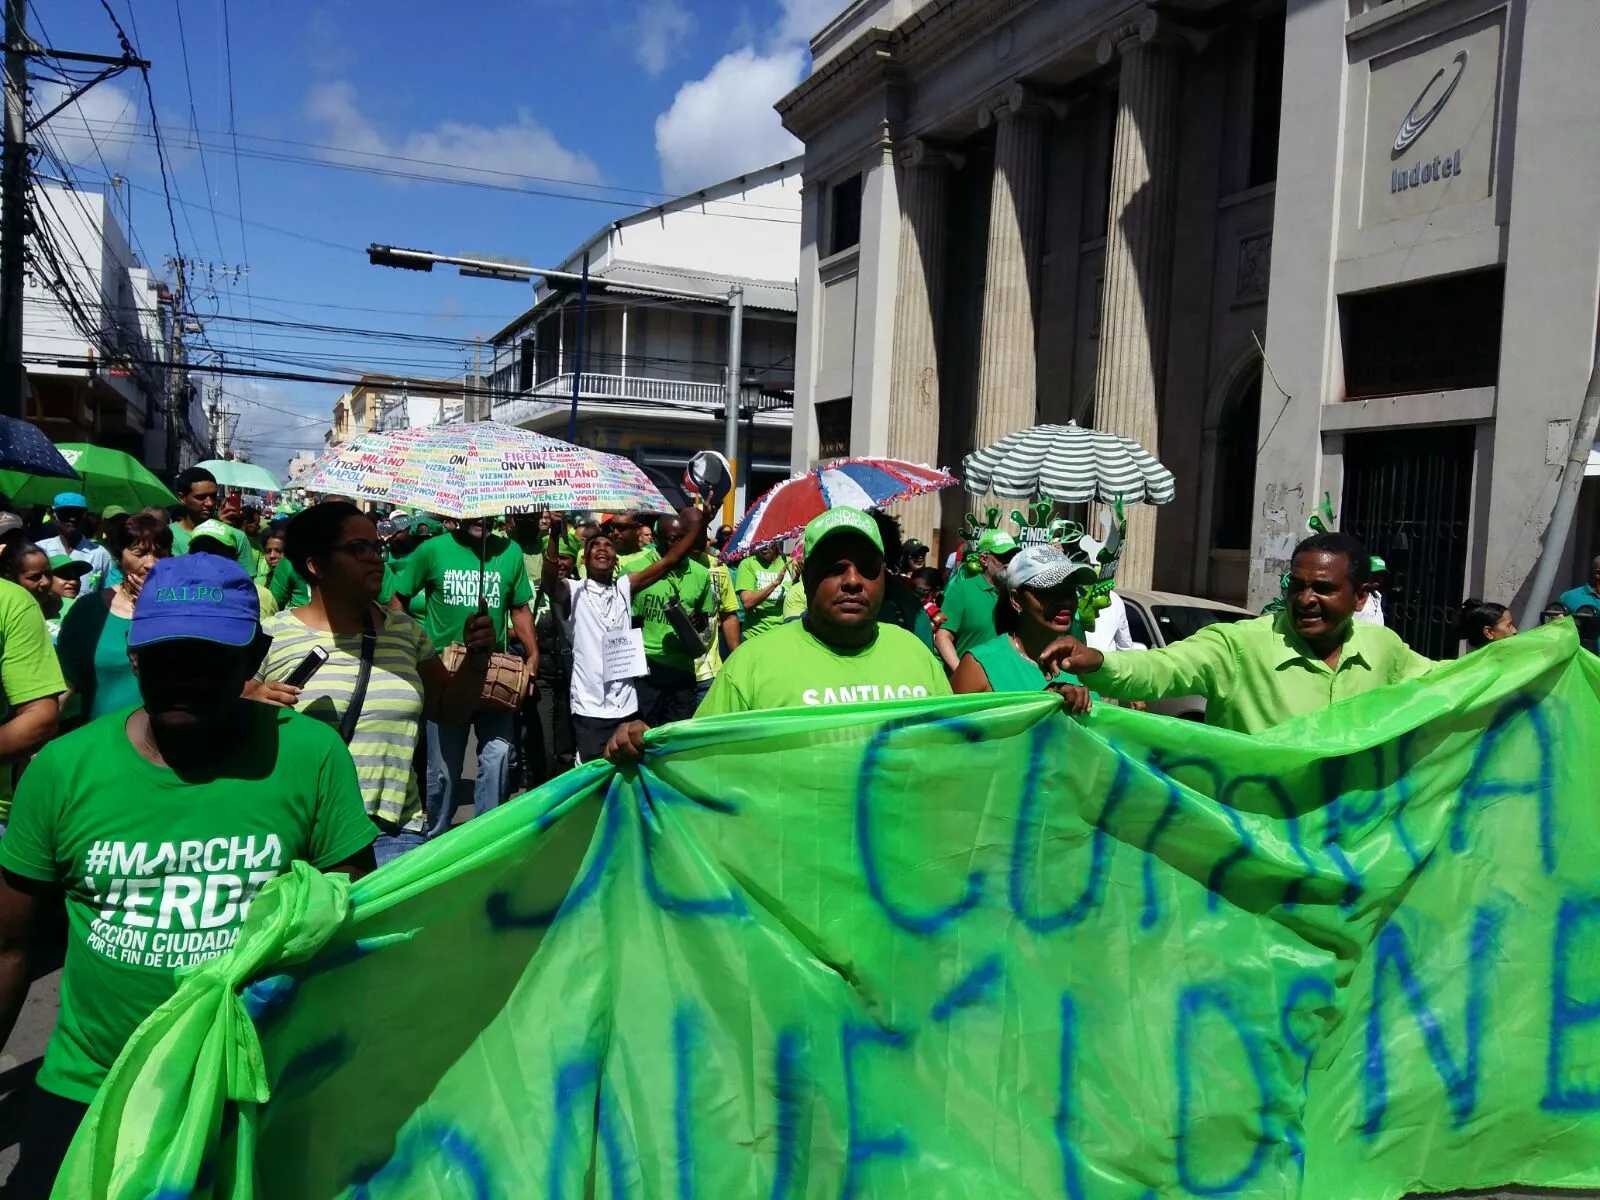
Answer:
(608, 104)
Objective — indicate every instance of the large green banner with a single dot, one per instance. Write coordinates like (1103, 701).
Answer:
(963, 948)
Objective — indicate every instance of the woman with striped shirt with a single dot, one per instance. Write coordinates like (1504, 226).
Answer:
(336, 549)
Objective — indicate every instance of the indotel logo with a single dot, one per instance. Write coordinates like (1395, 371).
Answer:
(1441, 166)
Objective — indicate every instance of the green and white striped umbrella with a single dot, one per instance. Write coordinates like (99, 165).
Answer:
(1068, 464)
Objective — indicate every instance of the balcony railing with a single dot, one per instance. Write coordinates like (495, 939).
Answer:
(555, 395)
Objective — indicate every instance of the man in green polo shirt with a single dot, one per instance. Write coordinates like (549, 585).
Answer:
(839, 653)
(969, 597)
(1257, 674)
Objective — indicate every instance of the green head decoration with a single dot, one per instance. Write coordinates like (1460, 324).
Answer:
(1323, 520)
(971, 531)
(1097, 597)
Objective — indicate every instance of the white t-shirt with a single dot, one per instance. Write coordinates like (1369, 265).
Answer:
(595, 610)
(1111, 630)
(1371, 612)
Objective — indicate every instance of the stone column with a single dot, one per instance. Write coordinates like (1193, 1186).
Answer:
(1134, 306)
(914, 384)
(1007, 366)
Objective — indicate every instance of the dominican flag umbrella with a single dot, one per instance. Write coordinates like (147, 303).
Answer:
(866, 483)
(1068, 464)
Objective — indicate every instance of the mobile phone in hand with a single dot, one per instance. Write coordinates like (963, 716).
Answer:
(308, 666)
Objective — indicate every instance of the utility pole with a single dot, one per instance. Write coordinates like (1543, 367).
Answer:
(472, 405)
(733, 505)
(577, 356)
(13, 211)
(177, 382)
(14, 168)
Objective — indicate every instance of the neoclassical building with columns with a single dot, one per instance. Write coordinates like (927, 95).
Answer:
(1329, 246)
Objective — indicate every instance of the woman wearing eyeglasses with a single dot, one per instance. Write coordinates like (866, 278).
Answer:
(336, 548)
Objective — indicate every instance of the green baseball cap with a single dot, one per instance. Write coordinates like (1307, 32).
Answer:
(1376, 564)
(112, 510)
(68, 567)
(996, 541)
(841, 520)
(217, 532)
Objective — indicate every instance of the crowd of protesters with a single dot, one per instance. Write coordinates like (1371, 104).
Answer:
(239, 691)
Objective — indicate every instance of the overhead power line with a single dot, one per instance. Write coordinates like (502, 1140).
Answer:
(651, 196)
(122, 135)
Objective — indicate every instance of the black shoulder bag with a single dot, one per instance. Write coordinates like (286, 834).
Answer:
(358, 697)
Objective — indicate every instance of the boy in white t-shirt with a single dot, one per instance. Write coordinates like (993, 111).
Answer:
(595, 608)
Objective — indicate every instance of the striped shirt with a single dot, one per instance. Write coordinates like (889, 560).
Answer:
(391, 716)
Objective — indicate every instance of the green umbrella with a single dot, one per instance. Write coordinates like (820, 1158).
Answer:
(242, 475)
(109, 477)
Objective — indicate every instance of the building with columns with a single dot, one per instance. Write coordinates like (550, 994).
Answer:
(1290, 248)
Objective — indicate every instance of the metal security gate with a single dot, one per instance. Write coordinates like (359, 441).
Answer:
(1408, 496)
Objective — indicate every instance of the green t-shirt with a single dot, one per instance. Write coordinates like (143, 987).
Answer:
(243, 551)
(969, 610)
(93, 649)
(159, 871)
(794, 601)
(448, 574)
(627, 564)
(28, 666)
(289, 588)
(691, 584)
(901, 607)
(791, 668)
(752, 577)
(1009, 670)
(417, 606)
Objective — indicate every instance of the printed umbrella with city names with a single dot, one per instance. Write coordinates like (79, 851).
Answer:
(108, 477)
(483, 469)
(1069, 464)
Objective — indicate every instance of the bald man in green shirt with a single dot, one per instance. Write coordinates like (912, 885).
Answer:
(1257, 674)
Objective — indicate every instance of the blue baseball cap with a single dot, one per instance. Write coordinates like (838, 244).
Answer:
(69, 500)
(199, 596)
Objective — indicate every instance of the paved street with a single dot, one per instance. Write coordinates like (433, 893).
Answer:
(20, 1059)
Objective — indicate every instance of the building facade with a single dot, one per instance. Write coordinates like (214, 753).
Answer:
(1199, 225)
(96, 327)
(650, 369)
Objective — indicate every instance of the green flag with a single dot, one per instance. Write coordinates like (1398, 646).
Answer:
(960, 948)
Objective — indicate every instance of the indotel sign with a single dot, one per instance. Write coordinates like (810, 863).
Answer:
(1416, 124)
(1431, 117)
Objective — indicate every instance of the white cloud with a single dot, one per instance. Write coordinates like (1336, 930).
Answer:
(105, 115)
(658, 31)
(804, 18)
(723, 124)
(275, 420)
(461, 150)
